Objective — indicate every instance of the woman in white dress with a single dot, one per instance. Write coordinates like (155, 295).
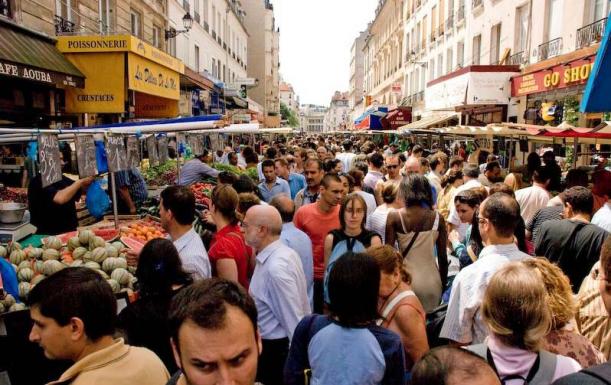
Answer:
(377, 221)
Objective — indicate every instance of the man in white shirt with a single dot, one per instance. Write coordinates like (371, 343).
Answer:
(346, 157)
(602, 218)
(279, 288)
(498, 217)
(438, 165)
(176, 208)
(470, 177)
(535, 197)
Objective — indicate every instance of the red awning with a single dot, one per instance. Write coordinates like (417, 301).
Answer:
(602, 131)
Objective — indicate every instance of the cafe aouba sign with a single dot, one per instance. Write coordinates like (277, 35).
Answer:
(117, 63)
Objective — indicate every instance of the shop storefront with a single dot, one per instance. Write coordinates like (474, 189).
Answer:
(35, 77)
(125, 79)
(552, 95)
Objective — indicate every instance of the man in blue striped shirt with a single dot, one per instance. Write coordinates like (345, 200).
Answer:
(131, 190)
(272, 185)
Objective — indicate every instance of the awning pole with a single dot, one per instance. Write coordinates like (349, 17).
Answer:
(114, 200)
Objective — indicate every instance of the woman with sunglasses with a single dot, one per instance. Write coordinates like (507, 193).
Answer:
(400, 309)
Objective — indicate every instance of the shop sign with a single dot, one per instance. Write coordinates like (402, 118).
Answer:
(558, 77)
(104, 90)
(118, 43)
(21, 71)
(148, 106)
(151, 78)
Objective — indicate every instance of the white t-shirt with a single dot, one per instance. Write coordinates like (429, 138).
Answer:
(347, 159)
(602, 218)
(531, 200)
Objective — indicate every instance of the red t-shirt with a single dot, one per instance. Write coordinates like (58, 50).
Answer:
(228, 243)
(317, 224)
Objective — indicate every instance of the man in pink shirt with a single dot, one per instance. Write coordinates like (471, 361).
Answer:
(316, 220)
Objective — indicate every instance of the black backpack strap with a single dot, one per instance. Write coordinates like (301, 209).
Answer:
(410, 244)
(600, 372)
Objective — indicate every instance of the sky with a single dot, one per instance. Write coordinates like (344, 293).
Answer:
(315, 41)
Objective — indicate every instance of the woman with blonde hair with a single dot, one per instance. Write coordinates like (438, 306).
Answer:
(563, 338)
(400, 309)
(515, 310)
(377, 221)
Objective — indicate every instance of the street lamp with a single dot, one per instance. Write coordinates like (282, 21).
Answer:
(187, 23)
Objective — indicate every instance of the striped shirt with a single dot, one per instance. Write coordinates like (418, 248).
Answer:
(133, 180)
(463, 321)
(193, 255)
(549, 213)
(194, 171)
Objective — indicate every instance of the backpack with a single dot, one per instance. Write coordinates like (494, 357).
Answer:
(346, 245)
(600, 372)
(541, 373)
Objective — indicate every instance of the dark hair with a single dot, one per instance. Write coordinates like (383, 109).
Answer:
(357, 176)
(456, 161)
(225, 200)
(354, 283)
(160, 267)
(471, 171)
(77, 292)
(576, 177)
(501, 187)
(205, 304)
(417, 148)
(181, 202)
(361, 166)
(247, 200)
(244, 185)
(401, 157)
(313, 160)
(227, 177)
(424, 162)
(490, 166)
(533, 162)
(347, 145)
(542, 174)
(330, 164)
(471, 197)
(416, 190)
(376, 159)
(250, 156)
(580, 198)
(439, 365)
(271, 153)
(328, 178)
(204, 154)
(267, 163)
(503, 212)
(450, 178)
(344, 205)
(232, 154)
(437, 159)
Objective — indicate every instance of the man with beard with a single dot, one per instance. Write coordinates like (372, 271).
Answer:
(215, 339)
(313, 173)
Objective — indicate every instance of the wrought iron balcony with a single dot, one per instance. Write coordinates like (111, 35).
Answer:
(550, 49)
(518, 59)
(63, 26)
(5, 8)
(591, 33)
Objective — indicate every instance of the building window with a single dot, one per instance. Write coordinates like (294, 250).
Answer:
(6, 9)
(196, 11)
(172, 46)
(449, 60)
(440, 65)
(431, 69)
(205, 11)
(495, 43)
(214, 68)
(136, 23)
(600, 9)
(196, 57)
(63, 9)
(554, 19)
(477, 49)
(104, 8)
(460, 54)
(156, 37)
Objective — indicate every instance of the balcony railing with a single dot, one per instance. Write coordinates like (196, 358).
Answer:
(518, 59)
(591, 33)
(550, 49)
(63, 26)
(476, 3)
(450, 22)
(460, 15)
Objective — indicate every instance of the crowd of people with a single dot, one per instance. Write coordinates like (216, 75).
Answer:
(354, 263)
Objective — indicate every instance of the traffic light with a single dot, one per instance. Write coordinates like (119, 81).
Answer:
(243, 93)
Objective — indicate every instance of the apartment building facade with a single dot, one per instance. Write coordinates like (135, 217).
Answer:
(289, 97)
(264, 59)
(312, 118)
(383, 55)
(337, 117)
(357, 76)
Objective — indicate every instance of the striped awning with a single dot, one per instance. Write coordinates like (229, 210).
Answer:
(27, 55)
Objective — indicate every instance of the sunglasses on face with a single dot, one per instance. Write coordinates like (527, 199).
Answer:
(393, 166)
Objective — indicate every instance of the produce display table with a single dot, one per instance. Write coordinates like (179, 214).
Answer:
(34, 240)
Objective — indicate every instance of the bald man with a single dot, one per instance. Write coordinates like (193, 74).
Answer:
(279, 288)
(412, 166)
(296, 239)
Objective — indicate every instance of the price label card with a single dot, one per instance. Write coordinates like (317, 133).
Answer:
(195, 142)
(151, 147)
(162, 147)
(49, 159)
(116, 153)
(85, 156)
(133, 152)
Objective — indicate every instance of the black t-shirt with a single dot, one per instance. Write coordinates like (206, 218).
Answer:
(555, 174)
(573, 245)
(49, 217)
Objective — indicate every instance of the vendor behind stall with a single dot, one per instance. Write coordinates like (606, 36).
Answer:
(52, 209)
(131, 190)
(196, 170)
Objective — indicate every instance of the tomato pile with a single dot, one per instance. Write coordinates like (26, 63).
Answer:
(202, 192)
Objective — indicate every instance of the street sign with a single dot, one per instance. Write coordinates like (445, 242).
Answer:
(246, 81)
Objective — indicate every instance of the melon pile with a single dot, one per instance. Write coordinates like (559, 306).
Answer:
(34, 264)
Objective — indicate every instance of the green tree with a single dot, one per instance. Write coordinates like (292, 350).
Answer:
(288, 115)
